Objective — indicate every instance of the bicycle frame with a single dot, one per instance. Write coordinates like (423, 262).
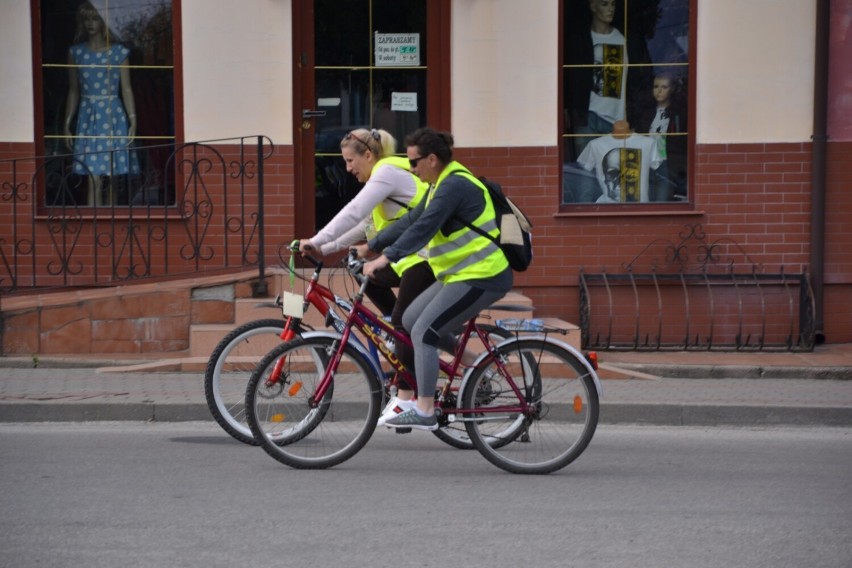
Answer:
(361, 318)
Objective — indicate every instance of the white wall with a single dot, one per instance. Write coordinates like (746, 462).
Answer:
(755, 71)
(16, 73)
(238, 73)
(504, 72)
(754, 64)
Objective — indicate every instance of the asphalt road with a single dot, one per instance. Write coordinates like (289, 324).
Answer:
(184, 494)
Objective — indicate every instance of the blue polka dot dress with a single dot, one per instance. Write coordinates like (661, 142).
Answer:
(102, 123)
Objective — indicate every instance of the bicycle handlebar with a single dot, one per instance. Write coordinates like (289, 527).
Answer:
(355, 265)
(294, 248)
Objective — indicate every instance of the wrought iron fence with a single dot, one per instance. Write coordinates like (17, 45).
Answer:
(177, 209)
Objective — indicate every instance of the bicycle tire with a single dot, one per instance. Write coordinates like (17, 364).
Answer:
(564, 414)
(280, 418)
(455, 433)
(229, 368)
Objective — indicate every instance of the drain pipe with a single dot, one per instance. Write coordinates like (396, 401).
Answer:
(818, 165)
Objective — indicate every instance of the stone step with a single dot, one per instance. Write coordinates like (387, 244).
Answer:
(205, 337)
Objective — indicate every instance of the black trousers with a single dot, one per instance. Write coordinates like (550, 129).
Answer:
(412, 283)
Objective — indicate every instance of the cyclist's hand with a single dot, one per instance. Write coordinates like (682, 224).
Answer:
(305, 247)
(375, 265)
(361, 250)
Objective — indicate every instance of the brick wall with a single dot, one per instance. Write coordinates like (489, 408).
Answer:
(754, 195)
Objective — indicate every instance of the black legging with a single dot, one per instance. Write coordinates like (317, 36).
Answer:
(412, 283)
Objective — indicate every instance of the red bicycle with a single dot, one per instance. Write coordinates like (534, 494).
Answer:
(237, 354)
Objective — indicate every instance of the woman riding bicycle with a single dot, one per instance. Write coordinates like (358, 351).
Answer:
(471, 271)
(389, 191)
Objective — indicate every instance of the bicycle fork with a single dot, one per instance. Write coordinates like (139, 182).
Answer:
(287, 334)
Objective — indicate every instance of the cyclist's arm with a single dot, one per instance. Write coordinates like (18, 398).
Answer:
(451, 199)
(386, 181)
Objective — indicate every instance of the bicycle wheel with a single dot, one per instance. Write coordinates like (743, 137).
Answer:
(229, 368)
(454, 433)
(298, 434)
(563, 413)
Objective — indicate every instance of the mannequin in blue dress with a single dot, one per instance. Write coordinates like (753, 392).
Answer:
(100, 95)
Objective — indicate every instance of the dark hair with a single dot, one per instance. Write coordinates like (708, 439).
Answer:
(430, 141)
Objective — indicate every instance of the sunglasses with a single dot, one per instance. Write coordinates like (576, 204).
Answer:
(374, 134)
(415, 161)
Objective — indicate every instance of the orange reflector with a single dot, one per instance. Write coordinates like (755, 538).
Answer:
(294, 389)
(276, 418)
(592, 356)
(578, 404)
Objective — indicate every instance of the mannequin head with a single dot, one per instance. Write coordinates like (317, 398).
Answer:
(603, 13)
(664, 87)
(89, 23)
(621, 129)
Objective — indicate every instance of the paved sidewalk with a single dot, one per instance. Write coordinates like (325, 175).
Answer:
(665, 388)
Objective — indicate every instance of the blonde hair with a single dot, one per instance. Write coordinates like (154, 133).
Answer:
(378, 141)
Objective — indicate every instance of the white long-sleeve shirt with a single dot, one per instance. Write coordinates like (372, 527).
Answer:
(348, 226)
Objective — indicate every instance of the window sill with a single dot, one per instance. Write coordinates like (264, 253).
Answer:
(679, 210)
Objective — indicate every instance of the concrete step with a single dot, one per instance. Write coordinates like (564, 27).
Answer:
(204, 338)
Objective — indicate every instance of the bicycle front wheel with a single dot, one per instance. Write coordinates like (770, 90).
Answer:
(562, 407)
(301, 433)
(229, 368)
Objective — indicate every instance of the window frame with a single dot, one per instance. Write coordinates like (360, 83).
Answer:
(632, 209)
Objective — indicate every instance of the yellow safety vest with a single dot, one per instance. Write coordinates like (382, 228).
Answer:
(380, 220)
(465, 254)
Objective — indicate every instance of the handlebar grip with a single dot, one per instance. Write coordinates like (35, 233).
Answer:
(294, 248)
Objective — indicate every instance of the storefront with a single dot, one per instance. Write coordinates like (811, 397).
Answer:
(615, 124)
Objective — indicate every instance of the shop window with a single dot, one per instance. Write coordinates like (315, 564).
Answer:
(105, 101)
(625, 72)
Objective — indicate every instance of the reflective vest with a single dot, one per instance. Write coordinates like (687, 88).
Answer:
(465, 254)
(380, 220)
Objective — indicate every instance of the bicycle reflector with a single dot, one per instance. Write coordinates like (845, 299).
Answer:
(592, 357)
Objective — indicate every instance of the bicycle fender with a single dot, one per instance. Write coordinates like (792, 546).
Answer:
(353, 341)
(580, 357)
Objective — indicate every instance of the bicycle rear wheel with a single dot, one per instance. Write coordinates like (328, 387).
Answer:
(455, 433)
(229, 368)
(312, 436)
(563, 413)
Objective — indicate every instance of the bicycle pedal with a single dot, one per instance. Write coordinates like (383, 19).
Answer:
(403, 430)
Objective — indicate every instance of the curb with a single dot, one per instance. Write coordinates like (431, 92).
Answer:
(740, 372)
(611, 413)
(836, 373)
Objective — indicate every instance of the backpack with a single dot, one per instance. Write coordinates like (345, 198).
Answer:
(515, 238)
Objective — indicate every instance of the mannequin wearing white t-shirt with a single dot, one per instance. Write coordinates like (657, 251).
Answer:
(609, 74)
(621, 162)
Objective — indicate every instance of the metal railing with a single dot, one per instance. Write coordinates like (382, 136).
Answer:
(178, 209)
(704, 295)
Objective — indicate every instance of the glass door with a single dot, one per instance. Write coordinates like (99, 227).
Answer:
(361, 64)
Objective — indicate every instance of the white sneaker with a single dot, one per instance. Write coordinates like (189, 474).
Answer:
(411, 419)
(394, 408)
